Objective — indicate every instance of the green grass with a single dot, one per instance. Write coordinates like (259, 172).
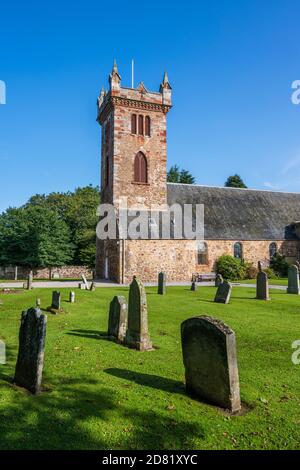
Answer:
(100, 395)
(272, 282)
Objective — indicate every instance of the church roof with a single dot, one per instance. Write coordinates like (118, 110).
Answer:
(241, 214)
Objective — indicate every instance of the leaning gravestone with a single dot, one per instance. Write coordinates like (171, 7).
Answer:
(30, 363)
(209, 357)
(85, 281)
(219, 280)
(137, 335)
(193, 286)
(29, 282)
(161, 290)
(223, 293)
(72, 297)
(293, 280)
(262, 286)
(118, 316)
(55, 300)
(92, 287)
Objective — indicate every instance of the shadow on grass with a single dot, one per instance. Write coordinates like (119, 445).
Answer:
(82, 413)
(148, 380)
(91, 334)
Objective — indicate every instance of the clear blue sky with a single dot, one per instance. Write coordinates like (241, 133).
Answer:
(230, 63)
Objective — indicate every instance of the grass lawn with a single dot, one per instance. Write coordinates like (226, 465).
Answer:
(100, 395)
(272, 282)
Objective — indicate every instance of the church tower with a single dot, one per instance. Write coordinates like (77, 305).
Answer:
(133, 157)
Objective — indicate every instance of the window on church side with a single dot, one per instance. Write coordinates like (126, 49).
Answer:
(147, 126)
(140, 168)
(202, 254)
(272, 250)
(141, 125)
(238, 250)
(133, 124)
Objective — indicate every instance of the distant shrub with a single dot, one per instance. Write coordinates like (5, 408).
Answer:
(231, 268)
(279, 265)
(271, 273)
(251, 271)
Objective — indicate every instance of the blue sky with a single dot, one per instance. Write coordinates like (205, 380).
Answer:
(231, 65)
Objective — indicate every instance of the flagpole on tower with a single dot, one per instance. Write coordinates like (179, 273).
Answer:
(132, 73)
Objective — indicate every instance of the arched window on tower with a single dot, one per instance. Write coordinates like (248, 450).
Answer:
(141, 125)
(238, 250)
(140, 168)
(133, 124)
(272, 250)
(202, 254)
(147, 126)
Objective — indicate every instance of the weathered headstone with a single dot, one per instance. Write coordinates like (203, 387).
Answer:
(118, 317)
(92, 287)
(293, 280)
(2, 353)
(81, 286)
(137, 335)
(209, 357)
(262, 286)
(193, 286)
(297, 263)
(72, 297)
(55, 300)
(38, 302)
(218, 280)
(29, 282)
(85, 281)
(162, 277)
(29, 368)
(223, 293)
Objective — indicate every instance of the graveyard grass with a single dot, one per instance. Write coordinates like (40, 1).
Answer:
(100, 395)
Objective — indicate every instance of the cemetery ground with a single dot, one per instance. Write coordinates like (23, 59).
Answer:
(101, 395)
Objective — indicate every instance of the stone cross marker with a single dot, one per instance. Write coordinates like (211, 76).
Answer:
(209, 357)
(30, 362)
(223, 293)
(137, 335)
(293, 280)
(262, 286)
(193, 286)
(85, 281)
(117, 320)
(29, 281)
(162, 277)
(219, 280)
(55, 300)
(72, 297)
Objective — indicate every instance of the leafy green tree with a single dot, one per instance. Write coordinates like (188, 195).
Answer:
(175, 175)
(235, 181)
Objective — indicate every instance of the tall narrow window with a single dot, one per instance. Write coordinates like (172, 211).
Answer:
(140, 168)
(202, 255)
(133, 124)
(272, 250)
(148, 126)
(141, 125)
(107, 170)
(238, 250)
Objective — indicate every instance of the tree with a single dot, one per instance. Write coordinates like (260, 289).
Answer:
(175, 175)
(235, 181)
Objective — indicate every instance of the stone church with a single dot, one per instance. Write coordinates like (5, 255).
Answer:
(248, 224)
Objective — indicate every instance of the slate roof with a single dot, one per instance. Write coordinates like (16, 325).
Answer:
(241, 214)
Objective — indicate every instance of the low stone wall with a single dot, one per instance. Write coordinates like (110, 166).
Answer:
(63, 272)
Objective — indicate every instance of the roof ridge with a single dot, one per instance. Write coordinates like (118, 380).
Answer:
(228, 188)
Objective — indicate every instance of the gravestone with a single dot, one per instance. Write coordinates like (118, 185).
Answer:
(2, 353)
(55, 300)
(29, 282)
(117, 320)
(85, 281)
(223, 293)
(38, 303)
(55, 275)
(81, 286)
(193, 286)
(262, 286)
(209, 357)
(92, 287)
(219, 280)
(162, 277)
(293, 280)
(297, 263)
(72, 297)
(30, 362)
(137, 335)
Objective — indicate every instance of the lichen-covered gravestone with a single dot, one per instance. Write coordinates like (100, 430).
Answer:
(223, 293)
(193, 286)
(29, 368)
(72, 297)
(55, 300)
(137, 335)
(218, 280)
(162, 283)
(209, 357)
(29, 282)
(293, 280)
(262, 286)
(117, 320)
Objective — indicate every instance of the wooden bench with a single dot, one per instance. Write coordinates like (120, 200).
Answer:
(204, 277)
